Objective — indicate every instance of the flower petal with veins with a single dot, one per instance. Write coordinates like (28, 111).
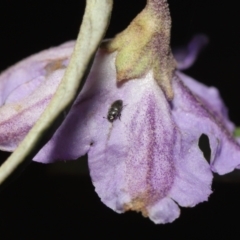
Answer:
(149, 159)
(26, 89)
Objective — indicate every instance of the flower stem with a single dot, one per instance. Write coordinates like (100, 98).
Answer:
(95, 22)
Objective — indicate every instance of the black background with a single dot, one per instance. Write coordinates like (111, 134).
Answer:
(47, 202)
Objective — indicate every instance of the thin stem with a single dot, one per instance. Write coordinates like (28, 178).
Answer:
(95, 22)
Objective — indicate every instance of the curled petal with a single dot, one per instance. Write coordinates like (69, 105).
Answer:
(211, 98)
(187, 56)
(195, 118)
(27, 88)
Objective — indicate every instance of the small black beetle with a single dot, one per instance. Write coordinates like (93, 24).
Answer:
(115, 110)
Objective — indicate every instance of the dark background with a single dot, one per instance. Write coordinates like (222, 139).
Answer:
(59, 202)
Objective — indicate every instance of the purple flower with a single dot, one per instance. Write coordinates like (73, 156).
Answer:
(146, 160)
(143, 152)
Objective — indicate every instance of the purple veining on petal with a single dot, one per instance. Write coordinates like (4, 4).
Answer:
(9, 129)
(225, 151)
(27, 88)
(157, 146)
(210, 97)
(148, 160)
(130, 168)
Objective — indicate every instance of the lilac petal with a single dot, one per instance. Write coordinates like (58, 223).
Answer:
(164, 211)
(193, 176)
(211, 98)
(149, 159)
(130, 160)
(33, 68)
(146, 164)
(86, 123)
(26, 89)
(195, 119)
(133, 168)
(186, 57)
